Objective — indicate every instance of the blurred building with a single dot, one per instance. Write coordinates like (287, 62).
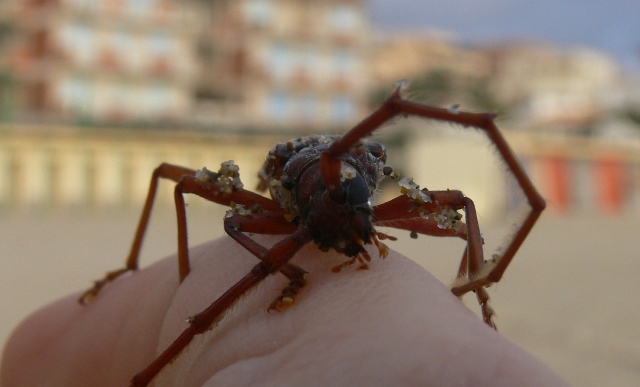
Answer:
(283, 64)
(533, 85)
(411, 56)
(266, 66)
(552, 87)
(103, 61)
(441, 70)
(244, 64)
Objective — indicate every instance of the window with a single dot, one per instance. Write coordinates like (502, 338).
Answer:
(343, 109)
(160, 43)
(121, 42)
(259, 12)
(86, 5)
(343, 62)
(80, 41)
(281, 60)
(278, 106)
(118, 96)
(141, 8)
(76, 94)
(308, 108)
(159, 99)
(345, 18)
(309, 59)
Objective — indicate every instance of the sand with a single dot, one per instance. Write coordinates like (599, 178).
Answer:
(570, 297)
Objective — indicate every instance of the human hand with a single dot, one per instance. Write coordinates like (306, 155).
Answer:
(393, 324)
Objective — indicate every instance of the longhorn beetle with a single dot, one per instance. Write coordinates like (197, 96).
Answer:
(320, 189)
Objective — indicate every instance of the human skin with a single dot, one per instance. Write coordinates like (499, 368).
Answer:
(393, 324)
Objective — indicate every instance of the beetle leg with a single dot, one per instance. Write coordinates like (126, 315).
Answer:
(432, 216)
(485, 122)
(186, 183)
(191, 185)
(406, 213)
(475, 262)
(269, 223)
(396, 105)
(289, 293)
(164, 171)
(271, 260)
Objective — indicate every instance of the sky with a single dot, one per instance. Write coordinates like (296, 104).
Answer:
(611, 26)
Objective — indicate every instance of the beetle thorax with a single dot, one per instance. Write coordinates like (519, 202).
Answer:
(343, 226)
(294, 177)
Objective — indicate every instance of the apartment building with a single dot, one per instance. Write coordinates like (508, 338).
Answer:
(284, 64)
(554, 86)
(248, 64)
(412, 55)
(535, 85)
(103, 61)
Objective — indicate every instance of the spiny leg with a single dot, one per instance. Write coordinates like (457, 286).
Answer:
(481, 293)
(537, 204)
(266, 218)
(396, 105)
(404, 212)
(288, 295)
(193, 185)
(213, 190)
(272, 222)
(434, 213)
(164, 171)
(473, 256)
(266, 215)
(363, 258)
(416, 215)
(271, 260)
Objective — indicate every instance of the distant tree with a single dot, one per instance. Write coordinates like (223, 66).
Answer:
(441, 87)
(480, 97)
(632, 115)
(436, 86)
(7, 96)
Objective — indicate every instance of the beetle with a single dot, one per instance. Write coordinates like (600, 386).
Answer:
(321, 189)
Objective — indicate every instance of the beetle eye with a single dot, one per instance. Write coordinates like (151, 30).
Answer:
(357, 190)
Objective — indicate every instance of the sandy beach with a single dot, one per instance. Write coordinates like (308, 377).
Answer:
(570, 297)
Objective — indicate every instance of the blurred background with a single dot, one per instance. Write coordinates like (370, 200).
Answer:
(94, 94)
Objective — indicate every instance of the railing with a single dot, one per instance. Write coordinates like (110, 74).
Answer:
(67, 167)
(70, 167)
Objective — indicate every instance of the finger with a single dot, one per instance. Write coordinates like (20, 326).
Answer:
(389, 323)
(393, 322)
(100, 344)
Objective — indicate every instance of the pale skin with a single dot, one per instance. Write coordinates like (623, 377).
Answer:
(393, 324)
